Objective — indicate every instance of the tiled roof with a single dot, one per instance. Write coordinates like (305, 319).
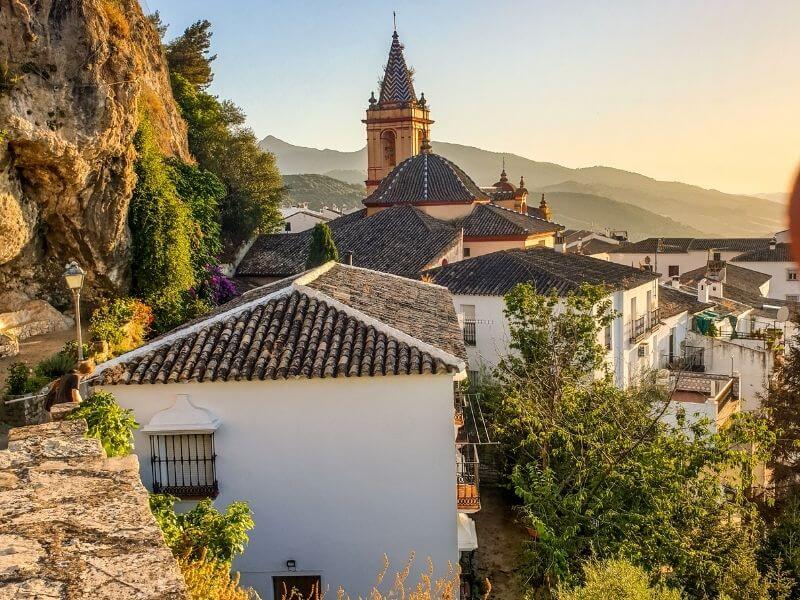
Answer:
(487, 220)
(735, 276)
(593, 246)
(673, 302)
(401, 240)
(426, 178)
(397, 86)
(781, 253)
(496, 273)
(682, 245)
(327, 323)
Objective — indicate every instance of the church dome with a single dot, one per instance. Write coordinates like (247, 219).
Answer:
(426, 178)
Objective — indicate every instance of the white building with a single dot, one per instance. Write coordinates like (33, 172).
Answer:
(301, 218)
(775, 261)
(325, 401)
(479, 285)
(672, 257)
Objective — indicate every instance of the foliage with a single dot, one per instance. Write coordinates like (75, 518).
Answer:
(782, 405)
(55, 366)
(220, 142)
(118, 22)
(782, 543)
(171, 310)
(21, 380)
(616, 579)
(108, 422)
(208, 579)
(189, 54)
(323, 248)
(203, 532)
(123, 323)
(215, 287)
(160, 224)
(599, 476)
(159, 26)
(71, 349)
(8, 79)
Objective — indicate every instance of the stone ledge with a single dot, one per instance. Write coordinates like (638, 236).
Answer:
(77, 524)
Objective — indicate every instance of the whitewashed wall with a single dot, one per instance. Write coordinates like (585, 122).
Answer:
(337, 471)
(779, 286)
(686, 261)
(301, 221)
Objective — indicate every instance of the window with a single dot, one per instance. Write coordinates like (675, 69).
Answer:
(793, 298)
(717, 256)
(305, 586)
(466, 252)
(388, 146)
(607, 337)
(791, 275)
(287, 226)
(470, 337)
(184, 465)
(674, 270)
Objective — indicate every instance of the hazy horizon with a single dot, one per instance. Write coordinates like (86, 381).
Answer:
(702, 93)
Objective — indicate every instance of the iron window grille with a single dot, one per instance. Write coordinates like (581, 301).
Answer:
(638, 329)
(184, 465)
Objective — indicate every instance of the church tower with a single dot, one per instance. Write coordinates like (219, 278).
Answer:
(397, 122)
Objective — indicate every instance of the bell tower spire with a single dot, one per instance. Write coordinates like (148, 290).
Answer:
(398, 121)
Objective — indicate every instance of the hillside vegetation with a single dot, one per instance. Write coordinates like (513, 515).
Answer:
(320, 190)
(686, 207)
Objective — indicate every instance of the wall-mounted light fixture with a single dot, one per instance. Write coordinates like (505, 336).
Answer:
(291, 565)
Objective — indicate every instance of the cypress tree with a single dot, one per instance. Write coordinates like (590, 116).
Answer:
(322, 248)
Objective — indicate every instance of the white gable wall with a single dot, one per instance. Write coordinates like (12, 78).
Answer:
(686, 261)
(336, 471)
(780, 286)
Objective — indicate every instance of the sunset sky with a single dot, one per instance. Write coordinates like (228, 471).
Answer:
(701, 92)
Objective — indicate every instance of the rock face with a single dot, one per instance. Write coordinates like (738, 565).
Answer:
(21, 318)
(75, 524)
(74, 75)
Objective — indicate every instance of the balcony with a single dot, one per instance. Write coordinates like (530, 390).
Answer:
(468, 499)
(459, 405)
(655, 319)
(692, 360)
(469, 332)
(638, 330)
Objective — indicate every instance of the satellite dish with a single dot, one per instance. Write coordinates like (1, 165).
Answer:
(783, 314)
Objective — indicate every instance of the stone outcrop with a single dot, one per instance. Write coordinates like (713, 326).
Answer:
(76, 524)
(21, 318)
(73, 77)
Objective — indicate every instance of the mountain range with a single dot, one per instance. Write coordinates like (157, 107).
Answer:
(592, 197)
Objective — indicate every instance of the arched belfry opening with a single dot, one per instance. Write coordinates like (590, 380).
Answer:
(389, 148)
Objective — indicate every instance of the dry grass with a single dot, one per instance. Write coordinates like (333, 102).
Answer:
(399, 588)
(117, 21)
(210, 580)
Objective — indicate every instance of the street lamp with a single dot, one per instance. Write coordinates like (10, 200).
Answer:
(74, 275)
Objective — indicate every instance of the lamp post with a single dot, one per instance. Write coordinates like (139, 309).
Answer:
(74, 275)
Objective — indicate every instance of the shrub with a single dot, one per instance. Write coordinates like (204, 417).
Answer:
(117, 21)
(203, 532)
(55, 366)
(209, 579)
(71, 350)
(616, 579)
(108, 422)
(8, 79)
(215, 287)
(323, 248)
(123, 323)
(22, 380)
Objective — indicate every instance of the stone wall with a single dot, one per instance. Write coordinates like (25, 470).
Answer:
(76, 524)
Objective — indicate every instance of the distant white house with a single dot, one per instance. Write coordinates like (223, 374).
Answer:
(300, 218)
(326, 401)
(777, 262)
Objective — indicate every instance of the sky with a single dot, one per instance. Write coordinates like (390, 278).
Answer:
(704, 92)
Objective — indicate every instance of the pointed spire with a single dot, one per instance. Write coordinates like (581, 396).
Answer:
(503, 176)
(372, 100)
(425, 147)
(397, 86)
(521, 182)
(545, 211)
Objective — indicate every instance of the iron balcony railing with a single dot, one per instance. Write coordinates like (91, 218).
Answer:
(692, 359)
(459, 403)
(638, 329)
(655, 318)
(469, 332)
(468, 497)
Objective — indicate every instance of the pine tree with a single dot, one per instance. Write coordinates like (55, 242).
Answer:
(188, 55)
(322, 248)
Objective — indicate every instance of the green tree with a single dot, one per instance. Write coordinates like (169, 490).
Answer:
(323, 248)
(598, 475)
(203, 531)
(617, 579)
(161, 225)
(782, 544)
(189, 55)
(108, 422)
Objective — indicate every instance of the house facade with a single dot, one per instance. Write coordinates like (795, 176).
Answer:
(775, 261)
(301, 218)
(327, 402)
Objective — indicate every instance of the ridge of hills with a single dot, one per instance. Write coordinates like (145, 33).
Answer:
(609, 197)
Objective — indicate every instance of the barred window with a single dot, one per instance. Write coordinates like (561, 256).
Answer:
(184, 465)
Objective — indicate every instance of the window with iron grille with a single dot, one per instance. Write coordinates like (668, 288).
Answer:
(184, 465)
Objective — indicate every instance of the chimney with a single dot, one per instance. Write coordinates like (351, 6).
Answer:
(703, 291)
(561, 243)
(675, 283)
(773, 243)
(348, 258)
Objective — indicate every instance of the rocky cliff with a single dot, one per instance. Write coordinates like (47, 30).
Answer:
(73, 75)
